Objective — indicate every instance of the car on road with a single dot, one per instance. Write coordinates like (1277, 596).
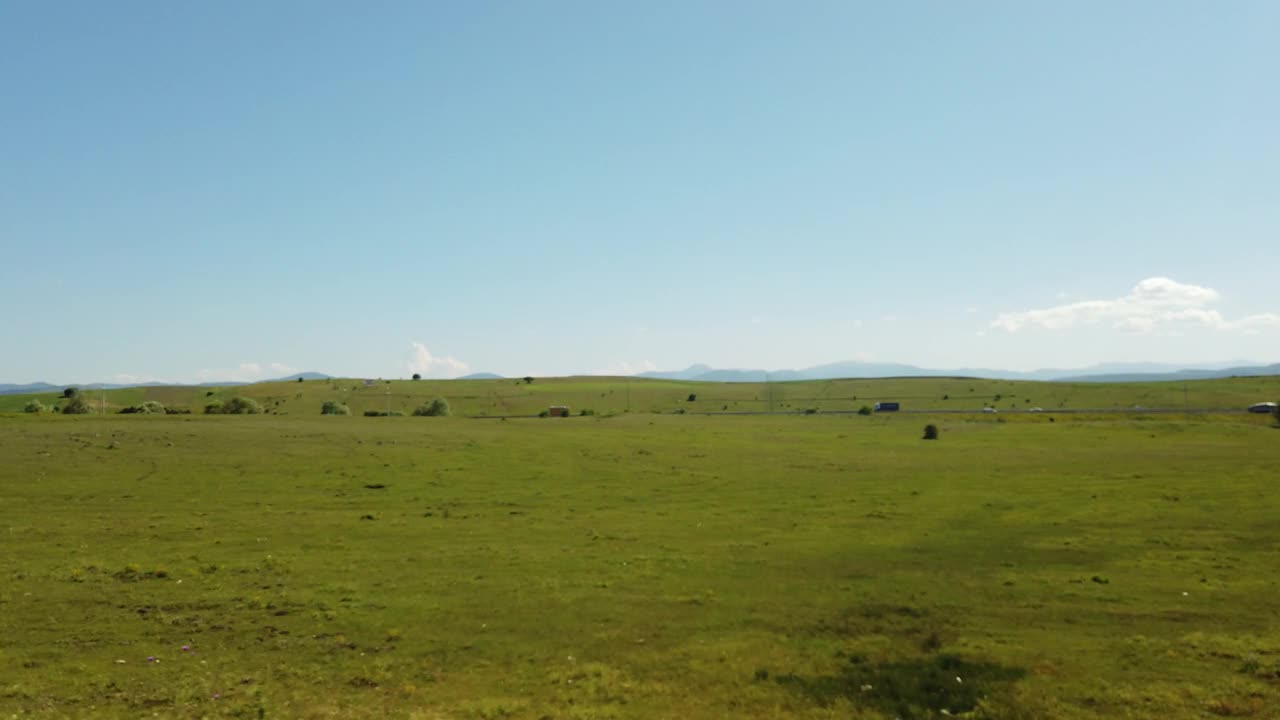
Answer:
(1036, 409)
(1262, 407)
(989, 410)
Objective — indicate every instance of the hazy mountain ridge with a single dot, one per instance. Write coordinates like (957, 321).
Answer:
(44, 387)
(1106, 372)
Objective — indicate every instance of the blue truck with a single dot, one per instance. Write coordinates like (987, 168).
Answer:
(886, 407)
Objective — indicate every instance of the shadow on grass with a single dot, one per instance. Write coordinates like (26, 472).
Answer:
(910, 688)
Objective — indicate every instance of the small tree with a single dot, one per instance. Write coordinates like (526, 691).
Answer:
(33, 406)
(930, 432)
(71, 392)
(692, 397)
(333, 407)
(417, 376)
(299, 379)
(234, 406)
(528, 380)
(436, 408)
(865, 410)
(76, 406)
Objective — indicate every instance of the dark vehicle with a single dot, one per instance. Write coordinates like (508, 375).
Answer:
(886, 407)
(1264, 407)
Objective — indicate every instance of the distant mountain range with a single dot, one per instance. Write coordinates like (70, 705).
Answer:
(43, 387)
(1108, 372)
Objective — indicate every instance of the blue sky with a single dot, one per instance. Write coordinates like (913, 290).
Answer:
(237, 189)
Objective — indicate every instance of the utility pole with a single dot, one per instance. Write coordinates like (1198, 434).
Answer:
(388, 399)
(628, 394)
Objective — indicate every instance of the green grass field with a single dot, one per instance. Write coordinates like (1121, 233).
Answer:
(643, 565)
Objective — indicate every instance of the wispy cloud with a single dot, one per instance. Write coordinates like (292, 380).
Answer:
(626, 367)
(422, 362)
(1153, 305)
(246, 372)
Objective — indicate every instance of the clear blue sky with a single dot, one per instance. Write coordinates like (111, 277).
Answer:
(201, 190)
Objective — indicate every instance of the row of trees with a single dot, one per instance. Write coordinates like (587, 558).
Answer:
(438, 407)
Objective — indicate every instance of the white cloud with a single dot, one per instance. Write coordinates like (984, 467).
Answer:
(246, 372)
(1154, 305)
(422, 362)
(625, 367)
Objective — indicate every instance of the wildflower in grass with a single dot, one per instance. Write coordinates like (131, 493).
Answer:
(186, 648)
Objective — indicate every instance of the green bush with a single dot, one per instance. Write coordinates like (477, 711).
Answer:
(545, 413)
(333, 407)
(584, 412)
(930, 432)
(436, 408)
(71, 392)
(865, 410)
(76, 406)
(151, 407)
(234, 406)
(33, 406)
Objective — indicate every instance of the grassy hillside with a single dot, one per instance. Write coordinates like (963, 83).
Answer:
(638, 566)
(617, 395)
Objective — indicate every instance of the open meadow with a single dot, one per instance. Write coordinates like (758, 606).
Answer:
(644, 564)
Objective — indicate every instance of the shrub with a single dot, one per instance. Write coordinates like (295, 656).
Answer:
(150, 407)
(333, 407)
(177, 411)
(930, 432)
(436, 408)
(865, 410)
(235, 406)
(528, 380)
(1276, 413)
(811, 411)
(375, 413)
(299, 379)
(417, 376)
(76, 406)
(584, 413)
(33, 406)
(241, 406)
(692, 397)
(71, 392)
(545, 413)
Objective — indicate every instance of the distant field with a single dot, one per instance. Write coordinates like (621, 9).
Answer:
(642, 565)
(619, 395)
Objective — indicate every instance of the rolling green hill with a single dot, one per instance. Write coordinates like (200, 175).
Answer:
(612, 395)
